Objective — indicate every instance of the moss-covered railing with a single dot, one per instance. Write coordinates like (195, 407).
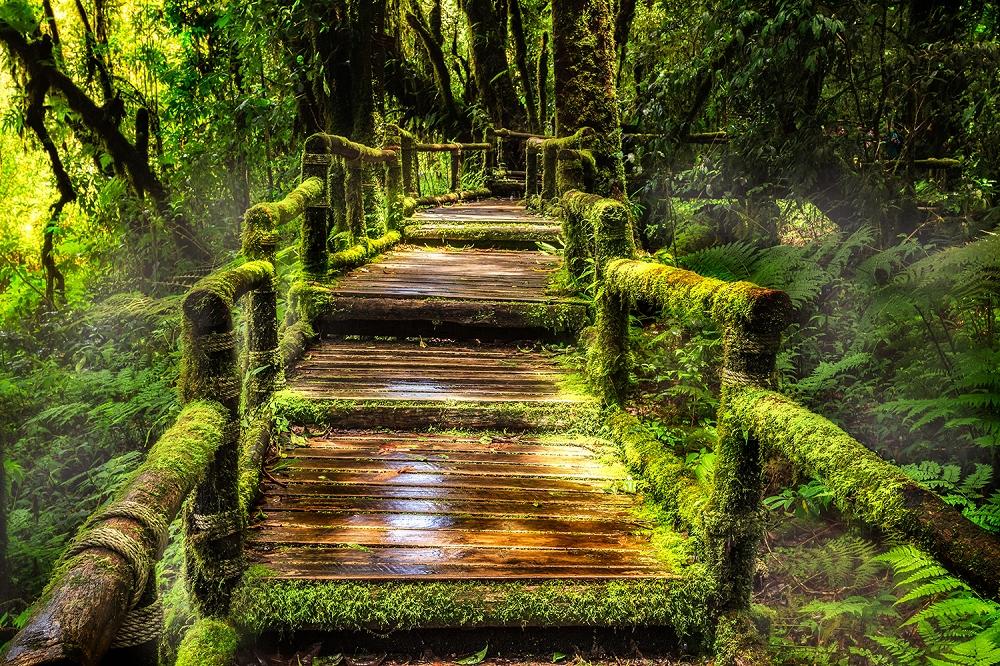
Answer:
(411, 147)
(102, 596)
(753, 420)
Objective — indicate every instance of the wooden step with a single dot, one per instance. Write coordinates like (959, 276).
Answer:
(387, 506)
(410, 385)
(464, 293)
(513, 236)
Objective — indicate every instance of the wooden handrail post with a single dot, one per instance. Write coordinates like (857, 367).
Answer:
(316, 222)
(491, 156)
(354, 198)
(456, 169)
(549, 153)
(394, 178)
(209, 371)
(531, 150)
(733, 519)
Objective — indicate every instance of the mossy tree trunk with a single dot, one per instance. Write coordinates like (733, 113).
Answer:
(542, 83)
(488, 41)
(585, 95)
(521, 60)
(368, 98)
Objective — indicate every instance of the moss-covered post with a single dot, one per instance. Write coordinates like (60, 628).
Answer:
(355, 198)
(265, 373)
(394, 181)
(608, 222)
(316, 161)
(209, 371)
(751, 319)
(408, 156)
(456, 169)
(491, 155)
(585, 95)
(531, 149)
(549, 153)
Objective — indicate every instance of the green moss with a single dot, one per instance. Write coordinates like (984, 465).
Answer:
(264, 603)
(261, 221)
(581, 417)
(862, 483)
(741, 638)
(254, 441)
(188, 446)
(472, 233)
(670, 481)
(597, 228)
(210, 642)
(293, 341)
(689, 296)
(365, 250)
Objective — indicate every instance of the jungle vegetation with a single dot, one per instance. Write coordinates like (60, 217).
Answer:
(846, 152)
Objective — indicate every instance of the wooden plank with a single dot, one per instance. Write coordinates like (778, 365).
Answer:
(545, 497)
(346, 444)
(460, 556)
(505, 469)
(514, 526)
(267, 533)
(274, 501)
(444, 480)
(483, 419)
(550, 460)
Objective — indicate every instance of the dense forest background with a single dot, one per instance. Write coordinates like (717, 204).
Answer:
(847, 152)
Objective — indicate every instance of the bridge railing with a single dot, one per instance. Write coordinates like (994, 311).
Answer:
(752, 417)
(411, 149)
(103, 594)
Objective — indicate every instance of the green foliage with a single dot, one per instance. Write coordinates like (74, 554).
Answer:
(953, 625)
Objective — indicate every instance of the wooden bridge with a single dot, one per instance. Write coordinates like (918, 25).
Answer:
(407, 446)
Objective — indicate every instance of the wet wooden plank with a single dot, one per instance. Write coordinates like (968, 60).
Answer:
(470, 469)
(409, 371)
(274, 501)
(514, 526)
(444, 480)
(545, 497)
(485, 447)
(491, 457)
(268, 533)
(466, 274)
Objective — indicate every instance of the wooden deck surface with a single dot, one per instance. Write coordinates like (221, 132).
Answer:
(468, 274)
(415, 371)
(490, 223)
(390, 506)
(432, 506)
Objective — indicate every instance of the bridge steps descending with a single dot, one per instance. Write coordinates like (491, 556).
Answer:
(492, 223)
(449, 482)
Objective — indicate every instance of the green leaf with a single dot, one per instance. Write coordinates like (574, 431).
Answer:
(557, 657)
(476, 658)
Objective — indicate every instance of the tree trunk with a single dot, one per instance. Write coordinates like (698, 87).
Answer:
(584, 63)
(521, 60)
(490, 70)
(542, 84)
(435, 53)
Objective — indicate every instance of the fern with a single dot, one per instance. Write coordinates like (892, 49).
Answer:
(955, 625)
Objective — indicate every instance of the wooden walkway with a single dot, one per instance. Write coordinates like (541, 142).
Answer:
(439, 497)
